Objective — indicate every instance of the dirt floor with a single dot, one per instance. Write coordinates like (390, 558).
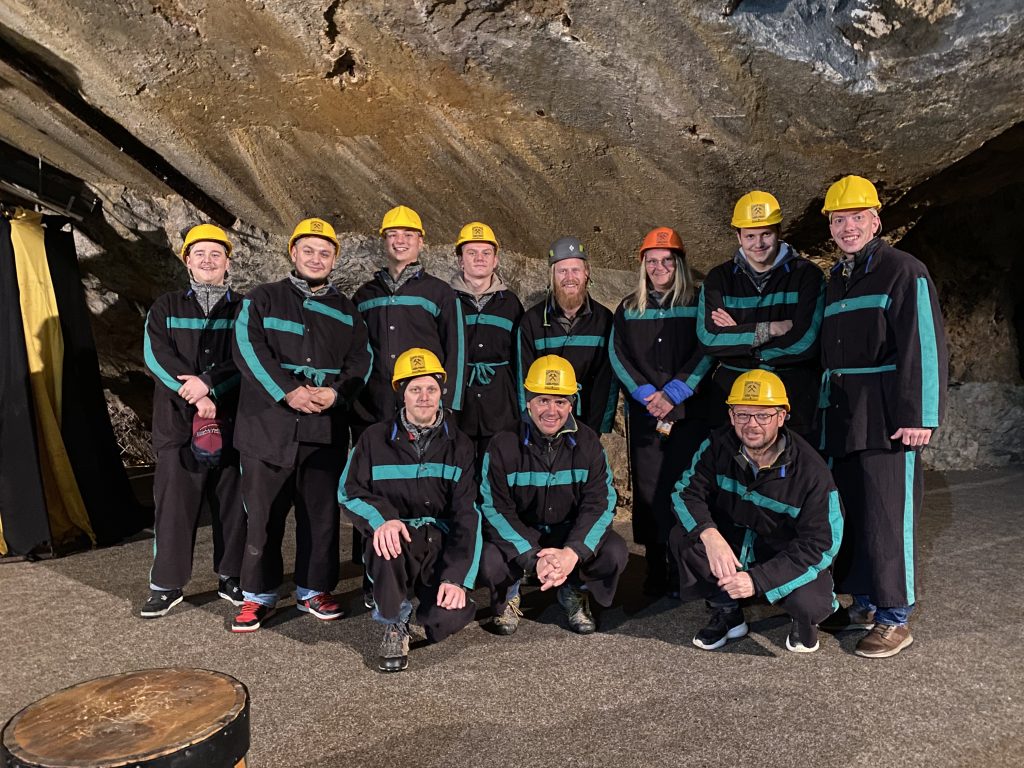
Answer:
(637, 693)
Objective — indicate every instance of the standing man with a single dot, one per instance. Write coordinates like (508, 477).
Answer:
(569, 323)
(548, 500)
(303, 353)
(762, 309)
(883, 394)
(188, 354)
(492, 311)
(759, 515)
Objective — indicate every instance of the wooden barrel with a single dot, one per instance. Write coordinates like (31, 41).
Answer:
(154, 718)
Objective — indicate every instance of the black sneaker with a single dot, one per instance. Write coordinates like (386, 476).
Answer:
(845, 619)
(394, 648)
(802, 639)
(229, 589)
(725, 624)
(160, 602)
(368, 598)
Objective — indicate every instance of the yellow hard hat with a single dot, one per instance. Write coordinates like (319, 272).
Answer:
(758, 387)
(205, 232)
(314, 228)
(476, 232)
(416, 362)
(756, 209)
(551, 375)
(401, 217)
(851, 192)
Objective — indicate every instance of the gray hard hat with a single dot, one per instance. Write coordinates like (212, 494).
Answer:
(566, 248)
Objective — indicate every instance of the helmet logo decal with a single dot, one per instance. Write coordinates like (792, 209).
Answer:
(552, 378)
(752, 390)
(662, 238)
(316, 226)
(478, 231)
(417, 363)
(757, 211)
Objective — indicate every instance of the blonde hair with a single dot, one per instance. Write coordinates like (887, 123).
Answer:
(679, 295)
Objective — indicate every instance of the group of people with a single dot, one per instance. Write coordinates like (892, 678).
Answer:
(773, 418)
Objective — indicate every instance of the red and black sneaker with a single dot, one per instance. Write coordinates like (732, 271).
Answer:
(324, 606)
(250, 617)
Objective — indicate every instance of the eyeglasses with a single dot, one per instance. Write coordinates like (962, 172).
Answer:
(667, 263)
(761, 417)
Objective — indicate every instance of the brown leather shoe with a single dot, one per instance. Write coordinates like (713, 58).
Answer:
(884, 640)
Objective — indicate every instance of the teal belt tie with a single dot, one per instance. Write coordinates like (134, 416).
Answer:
(483, 373)
(747, 550)
(419, 522)
(316, 375)
(762, 367)
(825, 398)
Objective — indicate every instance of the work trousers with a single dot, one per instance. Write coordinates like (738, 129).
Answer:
(182, 489)
(599, 574)
(882, 493)
(807, 604)
(268, 492)
(415, 573)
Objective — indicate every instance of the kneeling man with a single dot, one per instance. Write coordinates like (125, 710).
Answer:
(759, 515)
(548, 503)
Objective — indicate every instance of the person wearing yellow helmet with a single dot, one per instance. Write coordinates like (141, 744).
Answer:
(883, 394)
(409, 488)
(492, 310)
(548, 502)
(763, 309)
(187, 351)
(758, 515)
(303, 353)
(655, 355)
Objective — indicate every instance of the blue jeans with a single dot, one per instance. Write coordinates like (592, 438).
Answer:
(404, 614)
(893, 615)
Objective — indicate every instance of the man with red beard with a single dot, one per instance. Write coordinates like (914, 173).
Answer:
(570, 324)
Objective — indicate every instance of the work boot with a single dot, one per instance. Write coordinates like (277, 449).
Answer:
(576, 603)
(508, 622)
(802, 638)
(845, 619)
(883, 641)
(724, 625)
(394, 648)
(160, 602)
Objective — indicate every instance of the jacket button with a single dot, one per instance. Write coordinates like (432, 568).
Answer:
(309, 359)
(391, 327)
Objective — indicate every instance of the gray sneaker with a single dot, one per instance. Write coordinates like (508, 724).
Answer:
(508, 622)
(394, 649)
(576, 603)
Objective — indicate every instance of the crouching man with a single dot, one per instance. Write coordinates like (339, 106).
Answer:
(759, 515)
(547, 498)
(409, 490)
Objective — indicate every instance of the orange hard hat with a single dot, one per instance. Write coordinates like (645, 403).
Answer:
(662, 237)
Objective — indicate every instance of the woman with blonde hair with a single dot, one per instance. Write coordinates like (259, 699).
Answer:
(655, 354)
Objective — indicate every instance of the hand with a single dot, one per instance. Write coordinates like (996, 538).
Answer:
(779, 327)
(451, 596)
(658, 405)
(206, 408)
(324, 397)
(738, 585)
(554, 566)
(722, 318)
(192, 389)
(387, 539)
(721, 558)
(301, 400)
(913, 437)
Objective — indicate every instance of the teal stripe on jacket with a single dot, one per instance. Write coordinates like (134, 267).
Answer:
(359, 507)
(249, 354)
(700, 372)
(415, 471)
(727, 483)
(835, 522)
(400, 301)
(617, 366)
(721, 339)
(498, 521)
(331, 312)
(153, 364)
(200, 323)
(547, 479)
(558, 342)
(757, 302)
(595, 534)
(660, 313)
(802, 344)
(678, 505)
(460, 362)
(871, 301)
(285, 326)
(909, 468)
(929, 356)
(521, 391)
(474, 568)
(498, 322)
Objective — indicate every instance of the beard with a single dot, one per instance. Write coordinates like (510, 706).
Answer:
(569, 302)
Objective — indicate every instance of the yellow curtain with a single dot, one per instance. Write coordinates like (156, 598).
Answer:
(66, 510)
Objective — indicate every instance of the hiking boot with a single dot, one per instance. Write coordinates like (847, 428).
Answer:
(394, 648)
(508, 622)
(725, 624)
(883, 641)
(324, 606)
(251, 616)
(576, 603)
(845, 619)
(802, 639)
(160, 602)
(229, 589)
